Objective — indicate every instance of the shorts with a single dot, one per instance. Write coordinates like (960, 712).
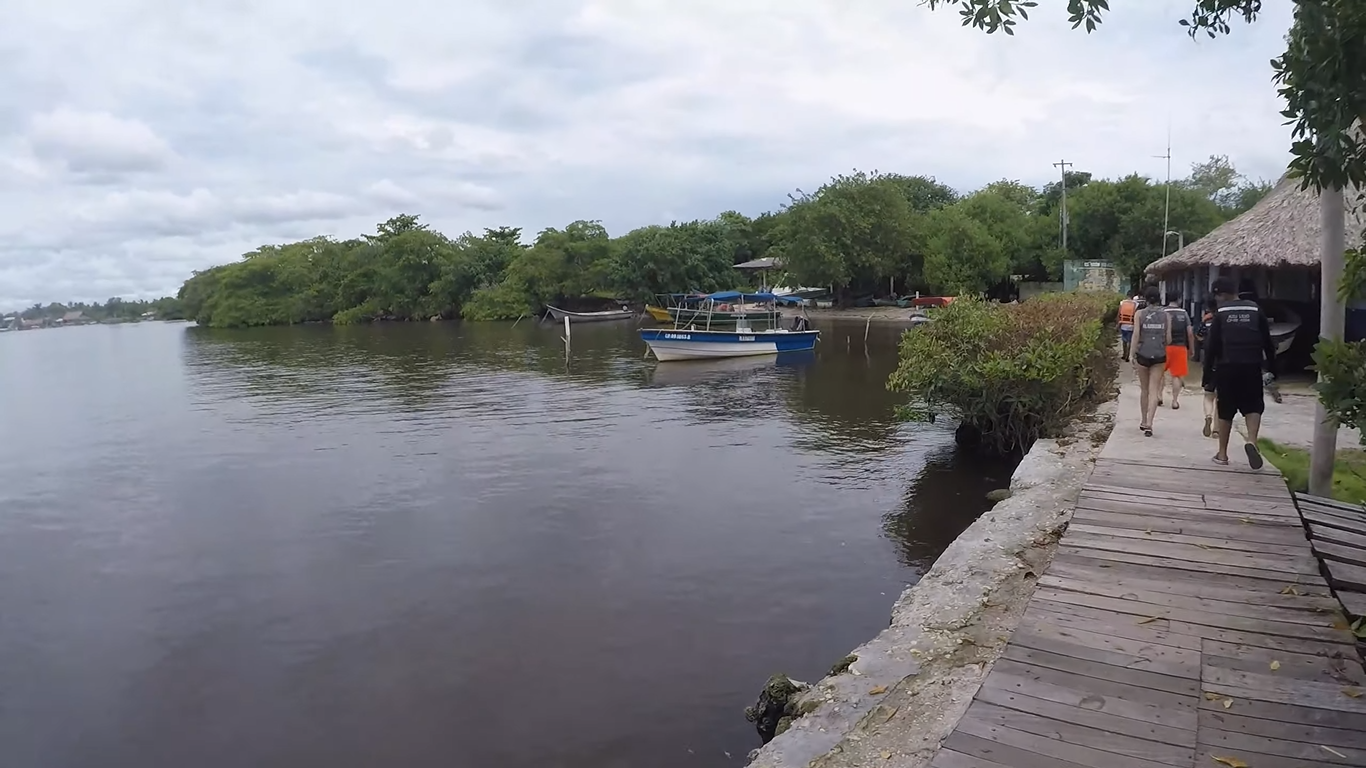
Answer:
(1207, 376)
(1126, 334)
(1178, 361)
(1148, 362)
(1239, 390)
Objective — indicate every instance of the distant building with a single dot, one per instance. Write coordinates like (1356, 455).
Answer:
(75, 317)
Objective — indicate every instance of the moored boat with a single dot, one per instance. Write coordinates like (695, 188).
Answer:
(660, 314)
(694, 339)
(591, 317)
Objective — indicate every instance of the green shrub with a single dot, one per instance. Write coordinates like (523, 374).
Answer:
(1010, 373)
(499, 302)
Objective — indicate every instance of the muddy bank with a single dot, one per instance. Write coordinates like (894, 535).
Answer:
(894, 698)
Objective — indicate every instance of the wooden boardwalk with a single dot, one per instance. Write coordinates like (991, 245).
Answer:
(1337, 532)
(1184, 622)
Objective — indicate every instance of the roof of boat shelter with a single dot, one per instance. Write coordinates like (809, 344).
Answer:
(739, 296)
(1281, 230)
(764, 263)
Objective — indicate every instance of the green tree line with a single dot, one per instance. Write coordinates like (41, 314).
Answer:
(858, 233)
(115, 309)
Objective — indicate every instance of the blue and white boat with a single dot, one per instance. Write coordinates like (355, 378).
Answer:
(695, 340)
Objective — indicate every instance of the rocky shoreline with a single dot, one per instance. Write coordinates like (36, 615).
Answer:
(899, 694)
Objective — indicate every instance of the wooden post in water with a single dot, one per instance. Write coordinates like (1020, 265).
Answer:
(866, 326)
(518, 320)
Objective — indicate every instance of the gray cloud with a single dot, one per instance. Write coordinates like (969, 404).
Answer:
(96, 143)
(140, 141)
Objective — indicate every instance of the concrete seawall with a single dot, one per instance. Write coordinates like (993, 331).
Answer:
(903, 691)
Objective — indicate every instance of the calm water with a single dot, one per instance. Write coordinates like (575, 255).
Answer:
(438, 544)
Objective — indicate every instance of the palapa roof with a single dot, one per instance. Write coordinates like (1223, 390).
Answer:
(1281, 230)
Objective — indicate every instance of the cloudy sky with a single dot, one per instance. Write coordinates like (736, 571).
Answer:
(143, 139)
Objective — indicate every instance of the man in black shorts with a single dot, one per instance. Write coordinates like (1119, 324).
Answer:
(1239, 346)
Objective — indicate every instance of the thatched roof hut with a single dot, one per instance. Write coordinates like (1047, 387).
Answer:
(1282, 230)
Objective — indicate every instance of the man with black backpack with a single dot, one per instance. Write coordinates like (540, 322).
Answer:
(1239, 348)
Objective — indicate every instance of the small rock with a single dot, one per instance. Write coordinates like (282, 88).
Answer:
(1000, 494)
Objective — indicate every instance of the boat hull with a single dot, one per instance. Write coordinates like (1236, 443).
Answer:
(660, 314)
(680, 344)
(590, 317)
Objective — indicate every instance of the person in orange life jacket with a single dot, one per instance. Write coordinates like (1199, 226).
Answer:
(1206, 362)
(1127, 308)
(1152, 337)
(1178, 354)
(1240, 346)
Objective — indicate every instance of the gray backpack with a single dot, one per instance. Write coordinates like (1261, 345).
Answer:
(1154, 335)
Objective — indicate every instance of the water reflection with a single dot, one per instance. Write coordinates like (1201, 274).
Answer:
(440, 544)
(924, 526)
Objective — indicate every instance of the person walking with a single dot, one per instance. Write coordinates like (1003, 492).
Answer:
(1127, 308)
(1239, 345)
(1179, 353)
(1152, 337)
(1207, 362)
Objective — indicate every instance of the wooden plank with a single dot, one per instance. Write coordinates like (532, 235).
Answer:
(1206, 756)
(1339, 669)
(1330, 551)
(1106, 649)
(1337, 520)
(1141, 493)
(1192, 477)
(1345, 576)
(1352, 520)
(999, 720)
(1286, 713)
(1005, 754)
(1089, 716)
(1172, 463)
(1190, 567)
(1320, 501)
(1217, 585)
(1304, 564)
(1158, 632)
(1137, 589)
(1236, 743)
(1150, 704)
(1268, 687)
(1253, 595)
(1177, 487)
(1193, 523)
(1194, 622)
(1194, 537)
(947, 758)
(1354, 602)
(1228, 721)
(1140, 678)
(1338, 536)
(1229, 503)
(1134, 508)
(1051, 747)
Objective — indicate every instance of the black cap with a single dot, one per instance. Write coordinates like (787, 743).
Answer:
(1223, 286)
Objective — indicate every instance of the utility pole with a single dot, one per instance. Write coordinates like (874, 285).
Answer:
(1167, 206)
(1064, 165)
(1332, 314)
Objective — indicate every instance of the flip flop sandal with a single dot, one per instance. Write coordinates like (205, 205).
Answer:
(1206, 430)
(1176, 406)
(1254, 456)
(1219, 461)
(1147, 431)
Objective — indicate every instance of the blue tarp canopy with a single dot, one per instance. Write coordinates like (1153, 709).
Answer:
(761, 297)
